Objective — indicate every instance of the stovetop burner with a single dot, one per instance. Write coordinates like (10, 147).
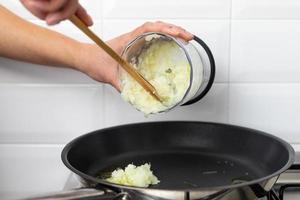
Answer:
(288, 185)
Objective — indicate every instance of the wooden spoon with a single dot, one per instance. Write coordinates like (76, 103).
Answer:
(123, 63)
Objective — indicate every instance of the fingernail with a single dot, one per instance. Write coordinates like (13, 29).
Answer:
(188, 34)
(52, 19)
(90, 20)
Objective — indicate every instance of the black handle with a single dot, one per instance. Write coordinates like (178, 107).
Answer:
(212, 71)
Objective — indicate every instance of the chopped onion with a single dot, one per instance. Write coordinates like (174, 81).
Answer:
(164, 64)
(138, 176)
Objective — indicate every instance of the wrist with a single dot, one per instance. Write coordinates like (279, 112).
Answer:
(97, 64)
(80, 52)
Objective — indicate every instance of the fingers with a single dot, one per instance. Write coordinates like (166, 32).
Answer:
(176, 31)
(82, 14)
(49, 5)
(69, 9)
(166, 28)
(28, 4)
(54, 11)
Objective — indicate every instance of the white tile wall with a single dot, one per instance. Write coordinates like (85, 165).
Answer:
(16, 72)
(136, 9)
(48, 113)
(265, 51)
(255, 44)
(28, 170)
(265, 9)
(70, 30)
(272, 108)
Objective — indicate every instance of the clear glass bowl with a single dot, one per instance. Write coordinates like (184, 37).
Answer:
(200, 59)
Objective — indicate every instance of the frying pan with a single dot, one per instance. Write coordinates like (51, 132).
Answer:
(193, 160)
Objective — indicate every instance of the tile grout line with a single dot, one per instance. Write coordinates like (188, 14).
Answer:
(96, 85)
(62, 145)
(103, 113)
(163, 18)
(229, 63)
(49, 84)
(203, 19)
(167, 18)
(56, 145)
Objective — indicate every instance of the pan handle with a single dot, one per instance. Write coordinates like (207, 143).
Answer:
(82, 193)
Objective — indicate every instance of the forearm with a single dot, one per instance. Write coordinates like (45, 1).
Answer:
(25, 41)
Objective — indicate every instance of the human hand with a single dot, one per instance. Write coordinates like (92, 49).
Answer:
(54, 11)
(97, 64)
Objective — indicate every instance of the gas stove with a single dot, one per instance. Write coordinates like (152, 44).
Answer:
(287, 186)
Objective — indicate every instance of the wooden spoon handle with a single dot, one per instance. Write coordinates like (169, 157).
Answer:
(123, 63)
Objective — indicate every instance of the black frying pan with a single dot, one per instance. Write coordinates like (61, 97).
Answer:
(189, 158)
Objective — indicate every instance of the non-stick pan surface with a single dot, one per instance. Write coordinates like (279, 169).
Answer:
(183, 155)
